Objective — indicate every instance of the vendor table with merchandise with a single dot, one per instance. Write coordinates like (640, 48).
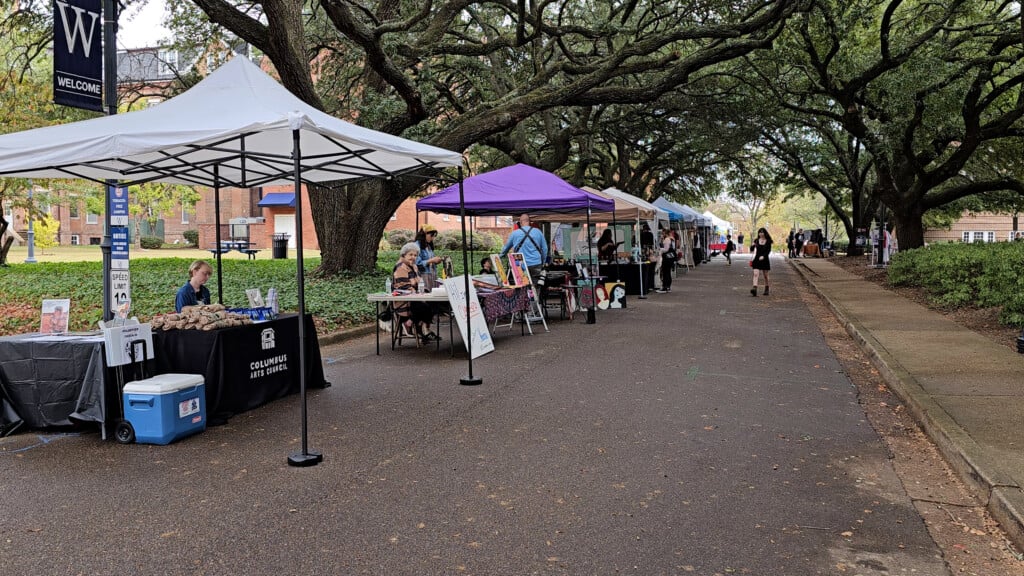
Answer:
(244, 366)
(50, 381)
(495, 304)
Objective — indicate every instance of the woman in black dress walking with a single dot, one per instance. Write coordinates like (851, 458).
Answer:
(762, 249)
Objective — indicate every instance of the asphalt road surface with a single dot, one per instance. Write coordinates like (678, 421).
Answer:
(701, 431)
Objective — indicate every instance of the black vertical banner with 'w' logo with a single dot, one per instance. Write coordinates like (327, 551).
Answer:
(78, 53)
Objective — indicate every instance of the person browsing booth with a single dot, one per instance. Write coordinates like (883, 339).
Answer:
(530, 242)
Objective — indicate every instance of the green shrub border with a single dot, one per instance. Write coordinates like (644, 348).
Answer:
(983, 275)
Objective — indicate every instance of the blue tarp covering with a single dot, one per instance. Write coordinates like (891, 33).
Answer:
(674, 213)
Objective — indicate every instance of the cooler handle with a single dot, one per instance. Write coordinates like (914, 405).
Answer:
(141, 401)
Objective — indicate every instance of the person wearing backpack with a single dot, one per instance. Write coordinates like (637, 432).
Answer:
(530, 242)
(729, 249)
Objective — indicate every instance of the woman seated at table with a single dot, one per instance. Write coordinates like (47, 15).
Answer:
(412, 314)
(194, 291)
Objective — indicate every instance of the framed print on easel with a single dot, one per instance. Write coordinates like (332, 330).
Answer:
(499, 269)
(517, 266)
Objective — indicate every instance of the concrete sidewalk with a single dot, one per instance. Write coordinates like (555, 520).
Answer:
(966, 391)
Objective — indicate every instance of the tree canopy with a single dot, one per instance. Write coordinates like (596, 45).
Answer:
(476, 76)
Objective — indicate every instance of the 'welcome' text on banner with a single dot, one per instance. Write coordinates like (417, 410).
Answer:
(78, 53)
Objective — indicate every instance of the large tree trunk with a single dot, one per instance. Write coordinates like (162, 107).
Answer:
(909, 228)
(350, 221)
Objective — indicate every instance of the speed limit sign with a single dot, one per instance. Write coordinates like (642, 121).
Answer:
(120, 288)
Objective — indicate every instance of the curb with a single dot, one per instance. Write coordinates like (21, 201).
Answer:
(345, 335)
(1001, 496)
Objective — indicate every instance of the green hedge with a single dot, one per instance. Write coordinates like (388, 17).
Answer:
(335, 302)
(956, 274)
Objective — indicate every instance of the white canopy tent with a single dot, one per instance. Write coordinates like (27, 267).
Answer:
(237, 127)
(721, 227)
(238, 119)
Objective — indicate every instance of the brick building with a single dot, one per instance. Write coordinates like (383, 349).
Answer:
(977, 227)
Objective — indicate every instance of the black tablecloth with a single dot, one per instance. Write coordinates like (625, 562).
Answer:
(47, 383)
(245, 366)
(630, 274)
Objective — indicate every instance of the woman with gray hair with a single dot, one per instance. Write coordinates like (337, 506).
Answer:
(413, 315)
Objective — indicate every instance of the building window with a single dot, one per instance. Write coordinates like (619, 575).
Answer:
(970, 236)
(73, 210)
(184, 215)
(445, 217)
(168, 62)
(8, 211)
(150, 102)
(95, 241)
(394, 216)
(76, 240)
(92, 218)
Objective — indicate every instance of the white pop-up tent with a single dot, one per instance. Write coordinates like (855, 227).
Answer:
(237, 127)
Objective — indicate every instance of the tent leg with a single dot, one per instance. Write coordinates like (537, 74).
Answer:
(306, 457)
(468, 380)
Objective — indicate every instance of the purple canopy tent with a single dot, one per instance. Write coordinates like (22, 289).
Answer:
(515, 190)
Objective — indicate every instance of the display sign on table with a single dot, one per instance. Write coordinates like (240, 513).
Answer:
(121, 342)
(478, 335)
(55, 316)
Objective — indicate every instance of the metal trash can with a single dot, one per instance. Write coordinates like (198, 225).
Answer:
(280, 246)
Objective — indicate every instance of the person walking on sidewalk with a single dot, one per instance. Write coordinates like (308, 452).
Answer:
(762, 250)
(729, 248)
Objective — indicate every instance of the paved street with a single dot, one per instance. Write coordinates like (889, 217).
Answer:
(701, 431)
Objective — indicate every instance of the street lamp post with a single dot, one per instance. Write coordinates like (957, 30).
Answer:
(31, 232)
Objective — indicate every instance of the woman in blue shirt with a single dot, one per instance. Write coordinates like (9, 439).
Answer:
(194, 292)
(426, 261)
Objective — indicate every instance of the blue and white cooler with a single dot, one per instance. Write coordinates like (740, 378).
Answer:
(165, 408)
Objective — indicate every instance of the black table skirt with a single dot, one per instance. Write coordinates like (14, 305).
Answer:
(630, 274)
(245, 366)
(46, 384)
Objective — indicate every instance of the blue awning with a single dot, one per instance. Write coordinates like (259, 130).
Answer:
(278, 199)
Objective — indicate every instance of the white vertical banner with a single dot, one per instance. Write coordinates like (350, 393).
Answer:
(478, 333)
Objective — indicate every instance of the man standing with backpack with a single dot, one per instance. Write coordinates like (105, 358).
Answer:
(530, 242)
(729, 249)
